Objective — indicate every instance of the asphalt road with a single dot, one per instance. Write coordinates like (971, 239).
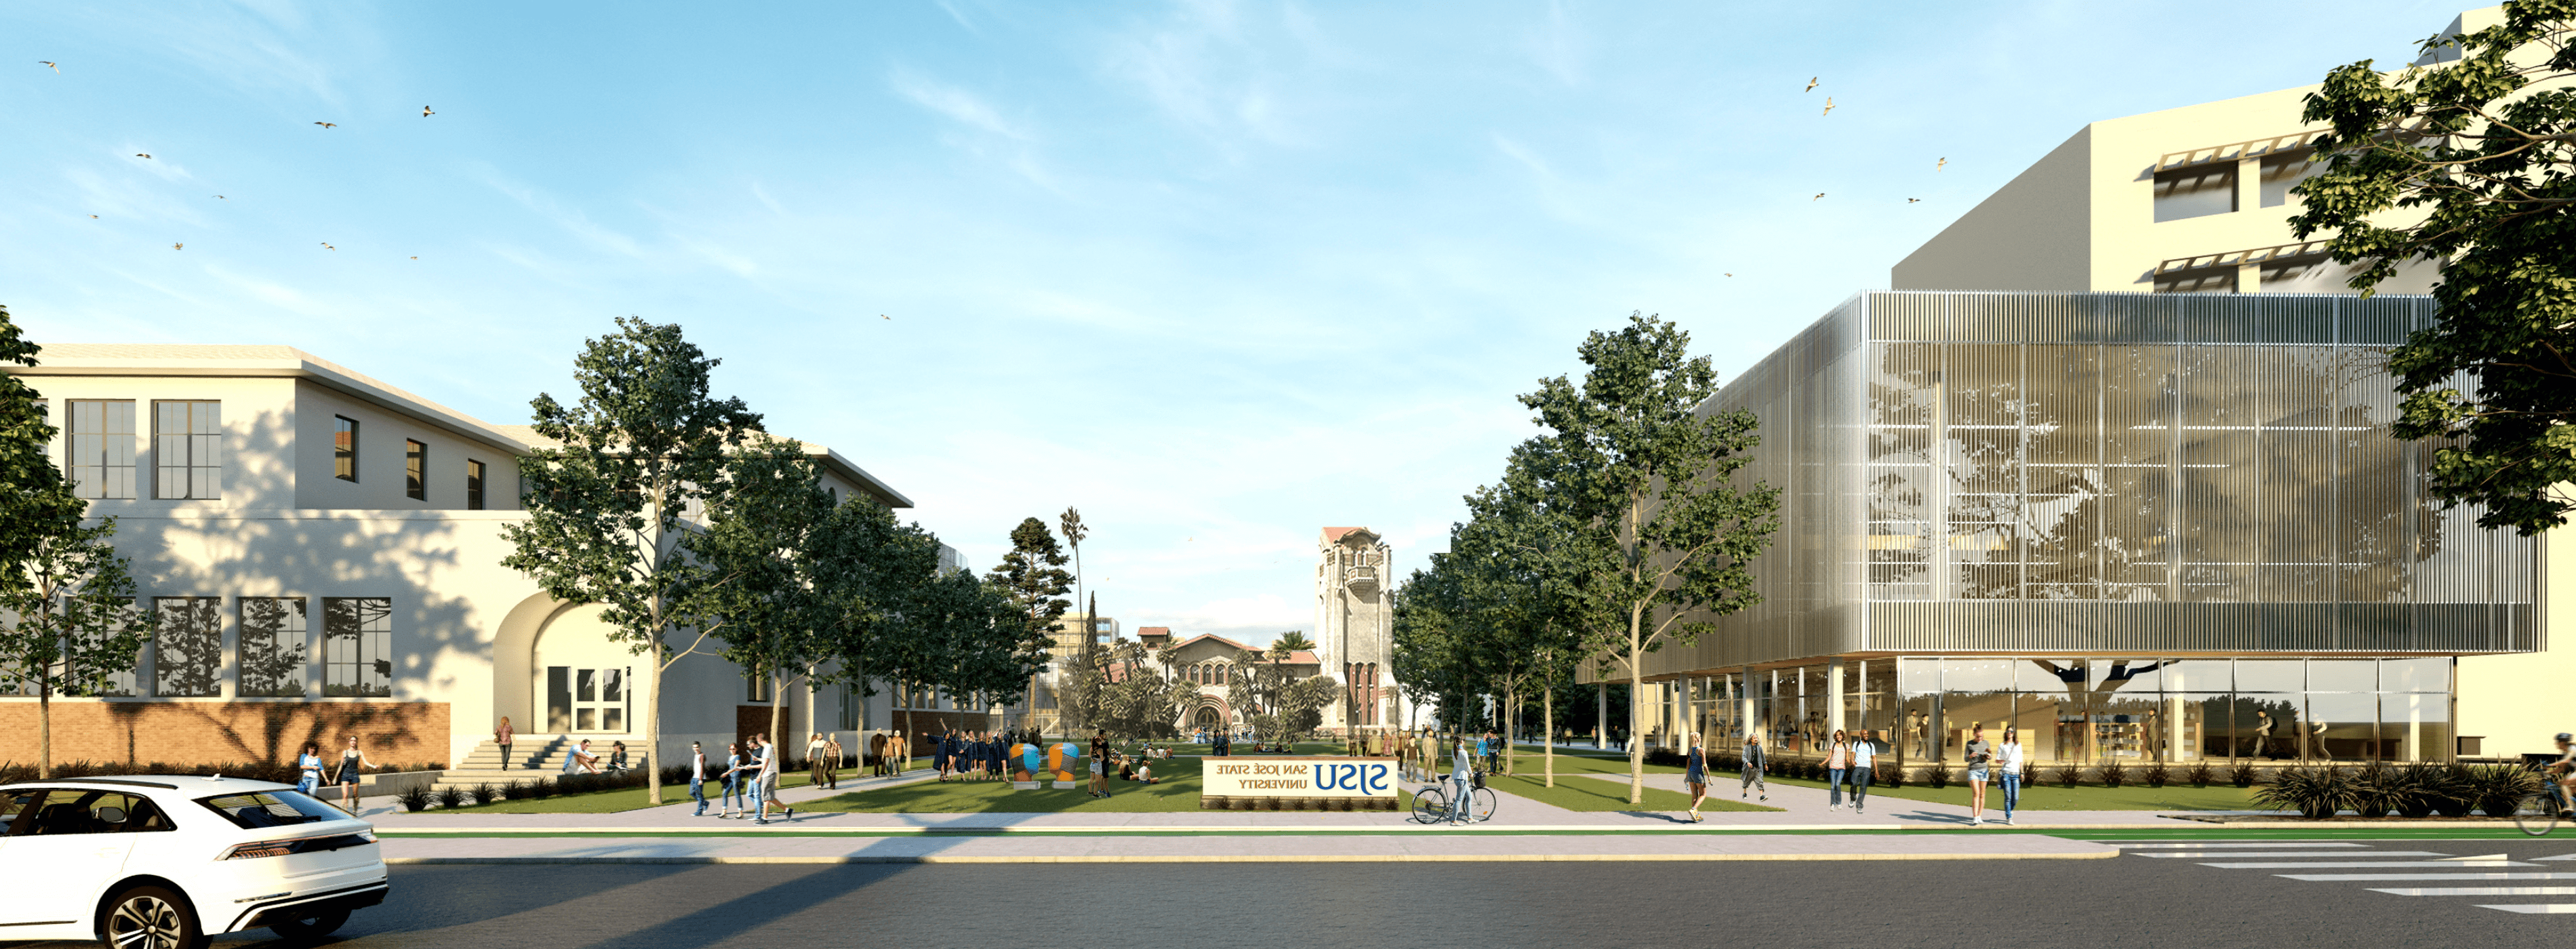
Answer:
(2056, 904)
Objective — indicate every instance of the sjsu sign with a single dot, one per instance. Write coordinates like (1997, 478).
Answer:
(1293, 781)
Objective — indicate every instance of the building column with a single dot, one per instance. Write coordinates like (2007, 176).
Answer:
(1601, 712)
(1834, 720)
(1746, 701)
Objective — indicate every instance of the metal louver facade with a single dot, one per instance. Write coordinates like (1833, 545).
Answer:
(2104, 475)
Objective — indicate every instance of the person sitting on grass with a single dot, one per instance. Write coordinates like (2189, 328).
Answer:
(1126, 769)
(1145, 773)
(617, 757)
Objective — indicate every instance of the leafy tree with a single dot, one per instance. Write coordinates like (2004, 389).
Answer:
(1525, 609)
(606, 502)
(67, 616)
(1427, 656)
(766, 517)
(1663, 538)
(2478, 152)
(1032, 576)
(872, 572)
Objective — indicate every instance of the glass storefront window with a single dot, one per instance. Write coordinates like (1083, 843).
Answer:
(2342, 726)
(2271, 675)
(2198, 675)
(2343, 675)
(2415, 675)
(2417, 725)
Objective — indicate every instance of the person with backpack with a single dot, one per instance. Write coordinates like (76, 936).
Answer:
(1863, 769)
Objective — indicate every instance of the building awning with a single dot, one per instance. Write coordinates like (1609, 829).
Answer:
(2239, 258)
(2238, 151)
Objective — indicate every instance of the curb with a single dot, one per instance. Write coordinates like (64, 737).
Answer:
(1589, 830)
(1248, 858)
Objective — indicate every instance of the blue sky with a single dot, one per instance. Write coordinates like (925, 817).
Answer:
(1219, 274)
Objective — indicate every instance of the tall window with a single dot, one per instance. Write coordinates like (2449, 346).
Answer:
(415, 470)
(755, 686)
(344, 448)
(271, 654)
(357, 644)
(473, 485)
(188, 653)
(187, 450)
(92, 625)
(102, 448)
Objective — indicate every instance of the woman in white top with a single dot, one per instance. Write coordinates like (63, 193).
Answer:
(1837, 758)
(2008, 761)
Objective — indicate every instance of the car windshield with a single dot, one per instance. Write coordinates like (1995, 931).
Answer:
(270, 808)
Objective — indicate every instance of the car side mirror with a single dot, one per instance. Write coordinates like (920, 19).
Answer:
(110, 815)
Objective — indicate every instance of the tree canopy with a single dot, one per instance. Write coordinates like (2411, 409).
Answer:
(2470, 160)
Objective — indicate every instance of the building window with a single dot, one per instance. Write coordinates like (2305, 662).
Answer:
(102, 448)
(755, 686)
(415, 470)
(357, 644)
(473, 485)
(2197, 191)
(272, 650)
(187, 450)
(188, 652)
(587, 700)
(2283, 172)
(92, 623)
(344, 448)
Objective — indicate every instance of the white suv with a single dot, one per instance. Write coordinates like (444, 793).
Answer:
(157, 862)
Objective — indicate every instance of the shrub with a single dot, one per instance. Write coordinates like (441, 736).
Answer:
(2113, 773)
(2452, 791)
(1938, 776)
(1658, 757)
(2158, 774)
(1890, 776)
(2499, 788)
(542, 788)
(2315, 792)
(450, 797)
(486, 794)
(2069, 775)
(677, 774)
(2199, 774)
(2377, 789)
(2242, 775)
(2029, 773)
(514, 791)
(415, 800)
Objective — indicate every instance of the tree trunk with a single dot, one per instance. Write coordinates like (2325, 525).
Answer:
(1547, 705)
(1511, 722)
(44, 721)
(778, 719)
(653, 728)
(1636, 716)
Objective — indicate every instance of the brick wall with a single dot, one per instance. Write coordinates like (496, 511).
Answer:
(191, 733)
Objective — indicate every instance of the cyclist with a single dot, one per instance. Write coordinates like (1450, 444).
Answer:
(2563, 771)
(1461, 775)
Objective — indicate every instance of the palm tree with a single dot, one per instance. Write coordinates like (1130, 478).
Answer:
(1293, 640)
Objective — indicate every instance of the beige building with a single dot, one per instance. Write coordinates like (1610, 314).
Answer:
(2197, 199)
(1208, 661)
(325, 551)
(1064, 652)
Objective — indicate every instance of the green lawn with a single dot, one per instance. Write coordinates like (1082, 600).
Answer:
(1579, 793)
(2128, 797)
(609, 802)
(1179, 792)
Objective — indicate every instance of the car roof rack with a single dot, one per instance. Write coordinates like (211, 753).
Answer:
(139, 784)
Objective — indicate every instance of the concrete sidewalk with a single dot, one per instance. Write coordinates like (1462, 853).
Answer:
(1429, 845)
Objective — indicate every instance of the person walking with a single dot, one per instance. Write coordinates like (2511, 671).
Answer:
(898, 754)
(1695, 774)
(1100, 770)
(1837, 758)
(1980, 755)
(814, 759)
(352, 761)
(733, 797)
(1753, 766)
(501, 736)
(1864, 768)
(308, 768)
(2008, 759)
(2263, 735)
(698, 778)
(1461, 779)
(832, 762)
(765, 784)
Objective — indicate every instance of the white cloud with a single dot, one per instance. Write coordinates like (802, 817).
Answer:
(957, 104)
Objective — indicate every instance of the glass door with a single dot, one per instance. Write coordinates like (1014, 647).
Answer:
(587, 700)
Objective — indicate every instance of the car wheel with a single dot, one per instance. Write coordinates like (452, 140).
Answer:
(309, 928)
(150, 917)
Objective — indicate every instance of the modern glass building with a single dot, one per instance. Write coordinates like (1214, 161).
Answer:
(2132, 526)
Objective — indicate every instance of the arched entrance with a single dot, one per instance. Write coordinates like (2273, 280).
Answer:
(585, 682)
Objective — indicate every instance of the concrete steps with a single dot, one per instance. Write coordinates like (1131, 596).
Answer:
(532, 758)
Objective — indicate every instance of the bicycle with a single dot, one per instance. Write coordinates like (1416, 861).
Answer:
(1431, 803)
(2540, 813)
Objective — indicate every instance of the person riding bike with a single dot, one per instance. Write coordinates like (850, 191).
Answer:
(1461, 775)
(2563, 771)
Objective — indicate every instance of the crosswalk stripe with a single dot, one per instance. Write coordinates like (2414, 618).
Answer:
(2532, 907)
(2360, 864)
(2501, 875)
(2478, 890)
(2241, 855)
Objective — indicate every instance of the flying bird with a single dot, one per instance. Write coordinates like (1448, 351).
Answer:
(425, 113)
(415, 258)
(221, 197)
(1730, 275)
(58, 70)
(177, 246)
(1914, 201)
(1936, 166)
(882, 316)
(328, 125)
(1819, 194)
(1811, 84)
(326, 245)
(141, 155)
(93, 217)
(1829, 105)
